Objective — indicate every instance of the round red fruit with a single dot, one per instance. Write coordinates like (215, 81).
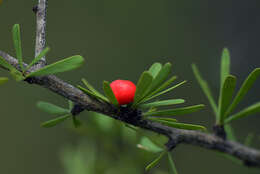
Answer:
(124, 91)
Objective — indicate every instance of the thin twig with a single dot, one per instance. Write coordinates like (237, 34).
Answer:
(250, 156)
(41, 12)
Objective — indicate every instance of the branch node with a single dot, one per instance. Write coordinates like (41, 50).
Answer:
(219, 131)
(77, 108)
(171, 144)
(35, 9)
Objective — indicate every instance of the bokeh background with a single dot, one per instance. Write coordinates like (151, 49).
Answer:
(119, 39)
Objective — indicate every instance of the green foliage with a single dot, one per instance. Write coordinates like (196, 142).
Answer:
(18, 44)
(66, 64)
(37, 58)
(51, 108)
(223, 111)
(148, 145)
(55, 121)
(155, 161)
(172, 165)
(109, 93)
(162, 103)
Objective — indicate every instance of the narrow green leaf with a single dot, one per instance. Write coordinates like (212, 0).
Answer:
(91, 88)
(162, 103)
(205, 88)
(225, 66)
(155, 162)
(51, 108)
(18, 44)
(246, 86)
(88, 92)
(245, 112)
(60, 66)
(37, 58)
(3, 80)
(71, 105)
(160, 78)
(182, 125)
(109, 93)
(55, 121)
(163, 92)
(148, 145)
(173, 167)
(6, 65)
(225, 97)
(230, 133)
(159, 89)
(177, 111)
(17, 75)
(142, 86)
(249, 139)
(155, 69)
(161, 118)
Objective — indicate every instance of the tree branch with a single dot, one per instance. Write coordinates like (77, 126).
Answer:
(250, 156)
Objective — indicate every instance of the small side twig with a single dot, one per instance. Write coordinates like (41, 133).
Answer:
(41, 12)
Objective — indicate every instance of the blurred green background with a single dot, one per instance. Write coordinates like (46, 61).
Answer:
(119, 39)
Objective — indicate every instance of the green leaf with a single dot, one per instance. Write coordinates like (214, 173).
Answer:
(163, 92)
(205, 88)
(155, 69)
(160, 78)
(93, 90)
(177, 111)
(60, 66)
(51, 108)
(230, 133)
(225, 66)
(109, 93)
(161, 118)
(90, 93)
(162, 103)
(17, 75)
(6, 65)
(182, 125)
(142, 86)
(245, 112)
(247, 84)
(18, 44)
(55, 121)
(71, 105)
(148, 145)
(225, 97)
(173, 167)
(37, 58)
(3, 80)
(155, 162)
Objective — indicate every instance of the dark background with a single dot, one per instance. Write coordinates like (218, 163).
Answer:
(119, 39)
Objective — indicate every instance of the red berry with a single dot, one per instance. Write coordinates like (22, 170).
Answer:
(124, 91)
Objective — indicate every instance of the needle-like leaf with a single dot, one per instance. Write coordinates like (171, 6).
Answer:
(163, 92)
(225, 97)
(155, 162)
(177, 111)
(142, 86)
(60, 66)
(162, 118)
(182, 125)
(247, 84)
(37, 58)
(245, 112)
(162, 103)
(155, 69)
(51, 108)
(205, 88)
(55, 121)
(225, 66)
(172, 165)
(148, 145)
(109, 93)
(18, 44)
(88, 92)
(92, 89)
